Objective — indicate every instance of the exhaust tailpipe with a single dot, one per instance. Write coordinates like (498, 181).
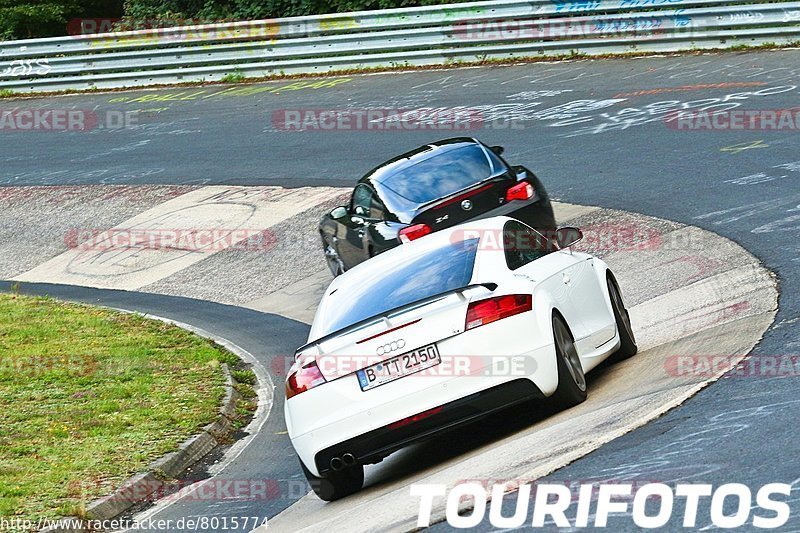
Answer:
(345, 461)
(337, 464)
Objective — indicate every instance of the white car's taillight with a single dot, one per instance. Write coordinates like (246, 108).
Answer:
(484, 312)
(303, 375)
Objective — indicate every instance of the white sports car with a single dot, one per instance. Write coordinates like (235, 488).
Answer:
(444, 330)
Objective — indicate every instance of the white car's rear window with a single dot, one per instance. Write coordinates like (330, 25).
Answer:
(416, 276)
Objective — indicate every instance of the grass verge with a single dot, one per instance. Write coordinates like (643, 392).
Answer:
(89, 397)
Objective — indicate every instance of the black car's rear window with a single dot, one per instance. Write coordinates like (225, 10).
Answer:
(416, 276)
(441, 175)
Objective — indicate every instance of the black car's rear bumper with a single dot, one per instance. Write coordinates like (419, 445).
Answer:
(536, 212)
(373, 446)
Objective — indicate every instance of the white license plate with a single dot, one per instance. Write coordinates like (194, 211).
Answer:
(398, 366)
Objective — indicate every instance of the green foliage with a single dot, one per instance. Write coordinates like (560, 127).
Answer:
(247, 377)
(29, 19)
(46, 18)
(257, 9)
(235, 77)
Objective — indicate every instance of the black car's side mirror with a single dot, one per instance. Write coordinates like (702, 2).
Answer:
(567, 236)
(339, 212)
(497, 149)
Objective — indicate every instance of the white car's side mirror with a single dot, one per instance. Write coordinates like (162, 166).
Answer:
(567, 236)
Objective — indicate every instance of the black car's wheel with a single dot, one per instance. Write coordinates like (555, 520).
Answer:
(571, 379)
(627, 346)
(336, 485)
(335, 262)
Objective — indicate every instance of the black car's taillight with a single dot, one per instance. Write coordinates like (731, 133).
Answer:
(414, 232)
(520, 191)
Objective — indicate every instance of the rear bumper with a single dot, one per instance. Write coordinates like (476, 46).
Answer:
(536, 212)
(320, 421)
(377, 444)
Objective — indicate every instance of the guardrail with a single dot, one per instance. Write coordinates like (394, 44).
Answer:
(443, 34)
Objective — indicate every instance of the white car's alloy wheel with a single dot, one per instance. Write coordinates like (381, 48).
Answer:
(571, 379)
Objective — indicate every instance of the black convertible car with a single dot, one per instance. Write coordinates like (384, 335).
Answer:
(427, 189)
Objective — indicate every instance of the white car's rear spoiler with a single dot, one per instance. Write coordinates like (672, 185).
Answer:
(396, 310)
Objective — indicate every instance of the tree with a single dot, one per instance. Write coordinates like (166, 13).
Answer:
(29, 19)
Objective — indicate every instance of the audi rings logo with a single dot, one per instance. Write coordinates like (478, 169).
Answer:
(391, 347)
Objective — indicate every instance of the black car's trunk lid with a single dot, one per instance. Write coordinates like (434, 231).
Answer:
(465, 204)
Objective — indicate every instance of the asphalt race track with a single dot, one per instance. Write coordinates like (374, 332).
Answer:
(594, 131)
(678, 305)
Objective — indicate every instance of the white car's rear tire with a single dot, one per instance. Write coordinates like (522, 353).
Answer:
(627, 342)
(336, 485)
(571, 379)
